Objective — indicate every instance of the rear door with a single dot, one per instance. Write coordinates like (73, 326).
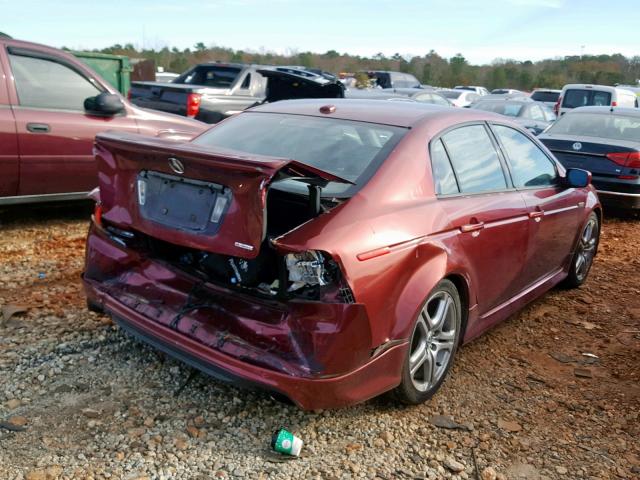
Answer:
(582, 97)
(554, 210)
(55, 134)
(9, 169)
(489, 213)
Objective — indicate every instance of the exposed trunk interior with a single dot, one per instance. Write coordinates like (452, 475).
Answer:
(266, 274)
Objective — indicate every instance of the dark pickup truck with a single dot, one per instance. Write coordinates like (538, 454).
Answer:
(212, 91)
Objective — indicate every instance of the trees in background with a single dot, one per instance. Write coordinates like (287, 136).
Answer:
(431, 69)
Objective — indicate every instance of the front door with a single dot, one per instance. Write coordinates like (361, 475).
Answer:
(9, 170)
(55, 134)
(553, 210)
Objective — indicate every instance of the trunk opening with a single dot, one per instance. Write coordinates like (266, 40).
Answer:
(306, 275)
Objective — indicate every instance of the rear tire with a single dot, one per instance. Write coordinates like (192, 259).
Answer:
(433, 345)
(585, 252)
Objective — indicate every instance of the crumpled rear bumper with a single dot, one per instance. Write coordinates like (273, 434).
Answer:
(317, 354)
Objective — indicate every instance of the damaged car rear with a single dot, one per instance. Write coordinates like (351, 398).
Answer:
(301, 247)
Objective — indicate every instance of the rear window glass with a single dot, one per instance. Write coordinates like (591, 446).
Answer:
(215, 76)
(545, 96)
(451, 94)
(503, 108)
(583, 98)
(617, 127)
(348, 149)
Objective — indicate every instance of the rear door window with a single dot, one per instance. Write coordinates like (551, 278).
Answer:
(474, 159)
(443, 176)
(530, 167)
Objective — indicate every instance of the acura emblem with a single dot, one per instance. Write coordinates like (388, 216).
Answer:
(176, 165)
(577, 146)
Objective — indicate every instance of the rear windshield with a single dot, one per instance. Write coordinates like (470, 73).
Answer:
(584, 98)
(617, 127)
(503, 108)
(348, 149)
(215, 76)
(451, 94)
(545, 96)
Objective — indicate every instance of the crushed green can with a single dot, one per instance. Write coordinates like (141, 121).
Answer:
(286, 442)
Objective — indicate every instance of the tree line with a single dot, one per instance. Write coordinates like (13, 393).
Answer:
(430, 69)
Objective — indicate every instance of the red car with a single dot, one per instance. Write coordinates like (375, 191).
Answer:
(332, 252)
(51, 107)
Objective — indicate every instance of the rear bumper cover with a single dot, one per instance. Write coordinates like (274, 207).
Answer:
(316, 354)
(620, 199)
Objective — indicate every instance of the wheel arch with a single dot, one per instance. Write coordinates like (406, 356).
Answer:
(460, 282)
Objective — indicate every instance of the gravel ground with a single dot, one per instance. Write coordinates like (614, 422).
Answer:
(89, 403)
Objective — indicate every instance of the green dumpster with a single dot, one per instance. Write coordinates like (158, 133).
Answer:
(115, 69)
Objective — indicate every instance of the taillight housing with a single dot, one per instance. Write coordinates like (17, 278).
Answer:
(556, 107)
(193, 104)
(625, 159)
(97, 214)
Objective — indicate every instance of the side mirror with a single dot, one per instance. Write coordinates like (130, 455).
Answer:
(578, 178)
(104, 104)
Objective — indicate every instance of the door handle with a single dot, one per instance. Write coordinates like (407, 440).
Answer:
(38, 127)
(536, 215)
(472, 227)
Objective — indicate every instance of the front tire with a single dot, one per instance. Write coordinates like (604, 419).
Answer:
(585, 252)
(433, 345)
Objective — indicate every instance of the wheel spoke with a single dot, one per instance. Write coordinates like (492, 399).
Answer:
(429, 370)
(418, 357)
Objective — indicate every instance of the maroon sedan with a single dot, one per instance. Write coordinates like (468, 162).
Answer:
(51, 107)
(330, 253)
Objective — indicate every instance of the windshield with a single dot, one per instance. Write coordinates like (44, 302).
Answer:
(503, 108)
(215, 76)
(348, 149)
(451, 94)
(545, 96)
(616, 127)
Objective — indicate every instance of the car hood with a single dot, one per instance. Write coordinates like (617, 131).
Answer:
(166, 125)
(289, 83)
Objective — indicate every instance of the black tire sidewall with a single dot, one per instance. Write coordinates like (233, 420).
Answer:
(572, 280)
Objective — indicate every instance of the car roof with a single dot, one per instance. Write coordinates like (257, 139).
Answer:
(401, 114)
(553, 90)
(626, 111)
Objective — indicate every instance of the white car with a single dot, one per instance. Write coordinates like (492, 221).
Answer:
(576, 95)
(460, 98)
(472, 88)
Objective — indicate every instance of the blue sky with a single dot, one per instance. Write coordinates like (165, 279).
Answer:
(481, 30)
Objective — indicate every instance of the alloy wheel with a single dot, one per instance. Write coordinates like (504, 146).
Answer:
(433, 341)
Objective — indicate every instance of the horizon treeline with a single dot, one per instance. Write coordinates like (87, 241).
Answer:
(430, 69)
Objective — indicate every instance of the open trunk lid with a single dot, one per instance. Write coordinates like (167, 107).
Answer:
(286, 83)
(191, 196)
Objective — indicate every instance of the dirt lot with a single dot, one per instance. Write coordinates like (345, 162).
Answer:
(552, 393)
